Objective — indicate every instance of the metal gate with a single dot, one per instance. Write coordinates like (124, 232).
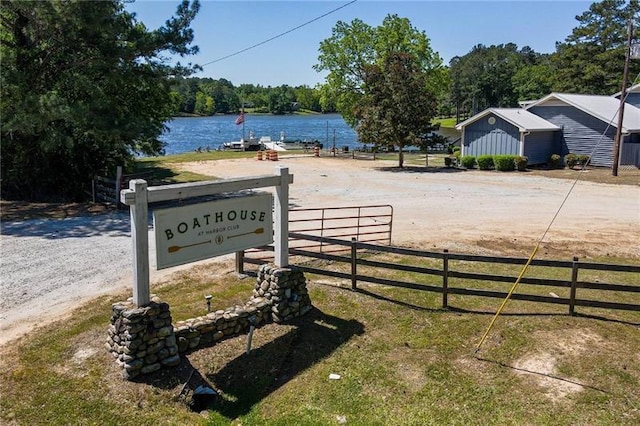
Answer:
(371, 224)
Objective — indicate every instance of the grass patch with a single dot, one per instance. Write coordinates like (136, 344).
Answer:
(164, 171)
(446, 122)
(402, 360)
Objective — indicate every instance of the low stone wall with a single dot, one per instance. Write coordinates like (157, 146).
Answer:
(143, 339)
(280, 294)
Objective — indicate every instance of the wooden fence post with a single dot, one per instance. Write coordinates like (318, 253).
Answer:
(281, 220)
(118, 185)
(445, 278)
(354, 263)
(140, 241)
(240, 262)
(574, 282)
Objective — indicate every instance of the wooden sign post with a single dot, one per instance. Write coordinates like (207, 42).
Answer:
(138, 197)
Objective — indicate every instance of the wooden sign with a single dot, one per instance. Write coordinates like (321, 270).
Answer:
(200, 231)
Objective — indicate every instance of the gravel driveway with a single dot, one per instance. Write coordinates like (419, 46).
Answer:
(49, 266)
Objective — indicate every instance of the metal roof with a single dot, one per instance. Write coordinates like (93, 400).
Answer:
(633, 89)
(604, 108)
(524, 120)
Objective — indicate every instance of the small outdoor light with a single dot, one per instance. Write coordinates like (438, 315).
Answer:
(208, 297)
(252, 326)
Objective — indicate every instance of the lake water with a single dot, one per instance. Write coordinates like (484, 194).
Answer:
(186, 134)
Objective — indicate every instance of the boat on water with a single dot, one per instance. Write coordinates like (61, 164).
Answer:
(265, 142)
(304, 144)
(250, 144)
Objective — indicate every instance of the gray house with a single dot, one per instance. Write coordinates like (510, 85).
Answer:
(568, 123)
(633, 95)
(514, 131)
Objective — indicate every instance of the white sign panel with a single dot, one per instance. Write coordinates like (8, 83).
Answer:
(201, 231)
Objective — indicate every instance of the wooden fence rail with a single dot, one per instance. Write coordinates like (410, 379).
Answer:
(352, 248)
(107, 190)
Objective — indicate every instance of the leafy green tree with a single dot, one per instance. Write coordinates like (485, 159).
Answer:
(591, 59)
(397, 108)
(484, 77)
(84, 87)
(224, 96)
(204, 104)
(281, 100)
(355, 46)
(534, 81)
(176, 102)
(308, 98)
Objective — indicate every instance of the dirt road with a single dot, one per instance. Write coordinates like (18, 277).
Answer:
(463, 210)
(50, 266)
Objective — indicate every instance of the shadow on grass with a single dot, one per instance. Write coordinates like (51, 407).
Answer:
(538, 373)
(161, 174)
(248, 379)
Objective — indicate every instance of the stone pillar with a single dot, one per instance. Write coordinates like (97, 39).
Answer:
(285, 289)
(142, 338)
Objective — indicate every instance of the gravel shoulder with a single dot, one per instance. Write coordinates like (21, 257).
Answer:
(49, 266)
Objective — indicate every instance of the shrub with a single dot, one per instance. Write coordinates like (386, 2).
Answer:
(583, 159)
(521, 163)
(505, 163)
(571, 160)
(485, 162)
(456, 149)
(555, 162)
(468, 161)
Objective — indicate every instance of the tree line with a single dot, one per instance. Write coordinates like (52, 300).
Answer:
(208, 96)
(85, 86)
(589, 61)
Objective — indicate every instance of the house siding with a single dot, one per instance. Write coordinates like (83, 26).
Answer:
(482, 138)
(630, 151)
(581, 132)
(539, 146)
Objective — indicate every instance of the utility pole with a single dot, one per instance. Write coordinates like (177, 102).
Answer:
(623, 97)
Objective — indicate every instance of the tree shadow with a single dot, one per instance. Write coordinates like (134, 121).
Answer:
(248, 379)
(162, 175)
(114, 223)
(541, 374)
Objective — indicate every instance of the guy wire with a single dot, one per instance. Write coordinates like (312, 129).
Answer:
(546, 231)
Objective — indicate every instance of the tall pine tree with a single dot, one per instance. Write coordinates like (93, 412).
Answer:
(84, 89)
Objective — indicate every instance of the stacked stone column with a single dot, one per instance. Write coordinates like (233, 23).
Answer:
(142, 339)
(286, 291)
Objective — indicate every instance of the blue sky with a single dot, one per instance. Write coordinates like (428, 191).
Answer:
(454, 27)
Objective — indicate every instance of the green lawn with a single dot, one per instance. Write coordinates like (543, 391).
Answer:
(447, 122)
(400, 357)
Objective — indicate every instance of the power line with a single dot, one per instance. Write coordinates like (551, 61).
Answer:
(280, 35)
